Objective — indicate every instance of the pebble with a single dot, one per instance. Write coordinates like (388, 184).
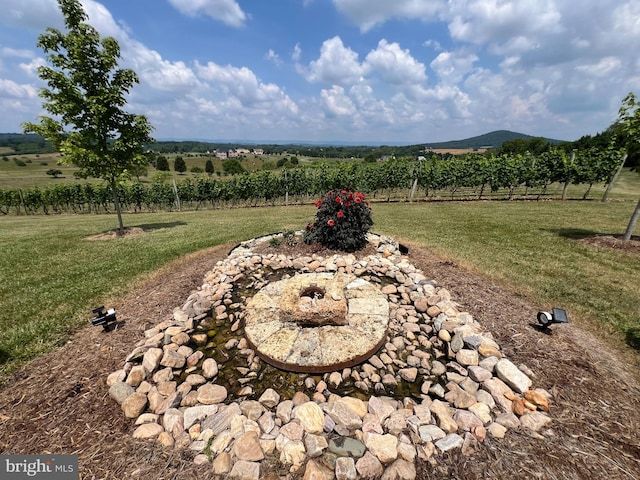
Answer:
(329, 436)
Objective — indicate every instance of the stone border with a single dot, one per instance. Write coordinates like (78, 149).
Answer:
(467, 389)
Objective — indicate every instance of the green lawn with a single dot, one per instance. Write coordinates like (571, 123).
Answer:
(52, 276)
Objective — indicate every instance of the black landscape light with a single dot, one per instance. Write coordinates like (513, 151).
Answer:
(546, 319)
(106, 320)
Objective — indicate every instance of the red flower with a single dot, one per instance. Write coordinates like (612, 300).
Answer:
(331, 222)
(318, 203)
(344, 192)
(338, 199)
(348, 204)
(350, 196)
(340, 214)
(308, 227)
(358, 199)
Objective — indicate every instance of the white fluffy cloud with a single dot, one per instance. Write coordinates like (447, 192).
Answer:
(227, 11)
(368, 13)
(336, 65)
(394, 65)
(336, 103)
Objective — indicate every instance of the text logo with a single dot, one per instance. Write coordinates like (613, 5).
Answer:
(45, 467)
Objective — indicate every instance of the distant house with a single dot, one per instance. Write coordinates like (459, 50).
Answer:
(258, 151)
(221, 155)
(232, 153)
(243, 151)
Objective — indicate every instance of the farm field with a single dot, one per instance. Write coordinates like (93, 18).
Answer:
(32, 172)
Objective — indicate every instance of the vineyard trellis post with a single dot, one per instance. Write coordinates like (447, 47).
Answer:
(568, 179)
(615, 177)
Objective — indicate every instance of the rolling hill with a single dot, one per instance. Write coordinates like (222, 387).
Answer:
(492, 139)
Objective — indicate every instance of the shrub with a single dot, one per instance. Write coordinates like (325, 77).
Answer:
(179, 165)
(19, 162)
(342, 221)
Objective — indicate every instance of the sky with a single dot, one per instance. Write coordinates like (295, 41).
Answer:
(352, 71)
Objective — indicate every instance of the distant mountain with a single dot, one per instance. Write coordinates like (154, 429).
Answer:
(491, 139)
(31, 143)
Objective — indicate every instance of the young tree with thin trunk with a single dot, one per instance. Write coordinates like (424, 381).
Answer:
(86, 97)
(629, 118)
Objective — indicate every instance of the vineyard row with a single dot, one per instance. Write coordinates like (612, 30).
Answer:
(470, 175)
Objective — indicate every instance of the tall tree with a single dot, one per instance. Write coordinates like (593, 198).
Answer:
(629, 119)
(86, 97)
(179, 165)
(209, 167)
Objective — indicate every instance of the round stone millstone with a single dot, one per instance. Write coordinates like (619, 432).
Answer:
(276, 326)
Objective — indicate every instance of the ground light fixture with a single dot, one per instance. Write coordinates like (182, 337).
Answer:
(104, 319)
(546, 319)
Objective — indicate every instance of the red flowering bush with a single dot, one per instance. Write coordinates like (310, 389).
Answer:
(342, 221)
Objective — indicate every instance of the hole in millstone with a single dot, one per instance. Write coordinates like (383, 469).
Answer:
(313, 292)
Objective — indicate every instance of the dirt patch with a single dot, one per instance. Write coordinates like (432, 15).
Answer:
(117, 233)
(615, 242)
(59, 402)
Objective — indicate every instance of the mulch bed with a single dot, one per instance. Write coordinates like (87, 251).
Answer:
(59, 403)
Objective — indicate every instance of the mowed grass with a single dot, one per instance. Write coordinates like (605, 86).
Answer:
(51, 276)
(534, 249)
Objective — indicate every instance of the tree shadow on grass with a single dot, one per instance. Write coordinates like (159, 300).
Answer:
(572, 233)
(4, 356)
(157, 226)
(633, 337)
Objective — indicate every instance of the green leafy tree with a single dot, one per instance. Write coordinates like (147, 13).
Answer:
(232, 166)
(179, 165)
(162, 164)
(54, 172)
(629, 119)
(208, 167)
(86, 96)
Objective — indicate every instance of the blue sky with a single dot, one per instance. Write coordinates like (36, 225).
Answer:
(362, 71)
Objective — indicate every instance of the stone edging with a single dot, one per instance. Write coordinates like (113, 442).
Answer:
(463, 387)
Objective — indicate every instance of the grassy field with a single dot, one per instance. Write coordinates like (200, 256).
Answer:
(52, 276)
(34, 171)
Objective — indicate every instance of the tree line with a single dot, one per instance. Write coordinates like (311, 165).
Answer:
(465, 176)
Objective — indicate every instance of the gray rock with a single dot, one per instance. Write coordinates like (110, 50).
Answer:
(450, 442)
(198, 413)
(346, 447)
(478, 374)
(221, 420)
(315, 445)
(119, 391)
(431, 433)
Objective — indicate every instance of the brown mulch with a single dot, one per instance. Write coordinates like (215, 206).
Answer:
(615, 242)
(113, 234)
(59, 402)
